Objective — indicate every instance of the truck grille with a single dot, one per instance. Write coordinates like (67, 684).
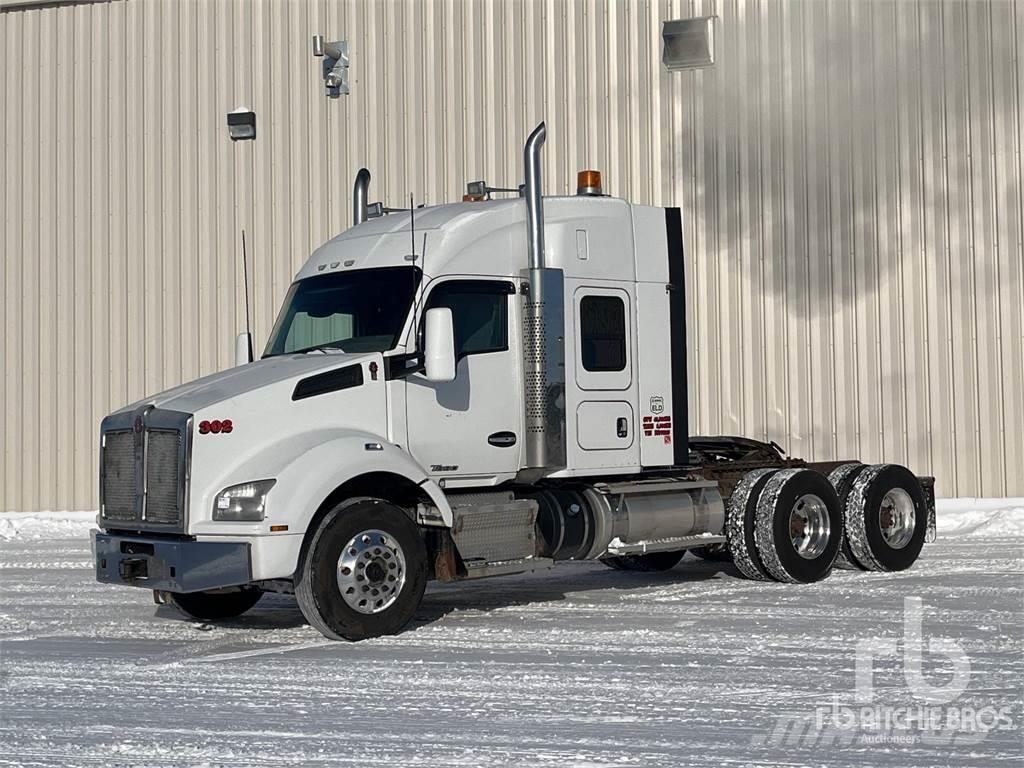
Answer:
(163, 472)
(118, 476)
(144, 469)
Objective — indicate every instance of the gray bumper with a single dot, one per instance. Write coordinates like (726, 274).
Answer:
(171, 565)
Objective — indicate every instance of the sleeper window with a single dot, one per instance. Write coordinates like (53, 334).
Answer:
(603, 333)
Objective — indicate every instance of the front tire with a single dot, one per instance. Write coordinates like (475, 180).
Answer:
(364, 571)
(215, 605)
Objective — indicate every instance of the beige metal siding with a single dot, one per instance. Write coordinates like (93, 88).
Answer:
(850, 176)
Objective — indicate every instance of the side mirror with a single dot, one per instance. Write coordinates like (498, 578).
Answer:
(243, 349)
(439, 352)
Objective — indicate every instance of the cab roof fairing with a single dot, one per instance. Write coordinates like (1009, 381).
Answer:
(480, 238)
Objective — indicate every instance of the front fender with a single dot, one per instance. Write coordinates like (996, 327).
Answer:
(311, 477)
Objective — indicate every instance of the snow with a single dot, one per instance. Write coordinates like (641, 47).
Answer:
(972, 517)
(580, 665)
(45, 525)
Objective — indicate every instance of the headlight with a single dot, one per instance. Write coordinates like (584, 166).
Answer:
(245, 502)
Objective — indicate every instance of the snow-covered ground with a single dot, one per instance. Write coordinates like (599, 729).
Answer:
(580, 665)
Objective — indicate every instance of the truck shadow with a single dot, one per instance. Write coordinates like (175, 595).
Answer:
(276, 611)
(555, 585)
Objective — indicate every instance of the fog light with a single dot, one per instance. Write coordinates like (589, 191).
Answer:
(245, 502)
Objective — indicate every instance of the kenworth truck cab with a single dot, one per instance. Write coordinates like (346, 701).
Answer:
(462, 391)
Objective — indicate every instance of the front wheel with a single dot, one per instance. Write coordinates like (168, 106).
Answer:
(364, 571)
(215, 605)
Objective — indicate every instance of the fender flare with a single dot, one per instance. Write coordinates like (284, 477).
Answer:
(339, 460)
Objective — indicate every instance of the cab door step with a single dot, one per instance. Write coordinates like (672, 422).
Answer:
(478, 569)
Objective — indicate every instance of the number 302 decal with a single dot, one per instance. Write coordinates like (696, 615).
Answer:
(216, 427)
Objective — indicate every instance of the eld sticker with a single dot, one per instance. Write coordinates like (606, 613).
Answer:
(657, 404)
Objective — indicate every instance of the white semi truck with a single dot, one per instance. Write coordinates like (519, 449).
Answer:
(468, 390)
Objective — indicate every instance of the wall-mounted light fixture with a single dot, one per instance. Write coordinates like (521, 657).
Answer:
(689, 43)
(335, 66)
(242, 124)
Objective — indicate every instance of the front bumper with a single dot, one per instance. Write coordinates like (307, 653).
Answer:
(171, 565)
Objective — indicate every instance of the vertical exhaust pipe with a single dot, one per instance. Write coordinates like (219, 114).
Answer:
(543, 332)
(534, 198)
(360, 199)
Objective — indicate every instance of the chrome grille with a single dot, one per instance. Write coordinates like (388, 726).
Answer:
(163, 475)
(118, 476)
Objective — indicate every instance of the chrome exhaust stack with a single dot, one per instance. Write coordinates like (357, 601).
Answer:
(360, 197)
(543, 333)
(534, 195)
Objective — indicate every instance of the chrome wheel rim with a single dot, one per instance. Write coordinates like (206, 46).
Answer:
(809, 526)
(897, 518)
(371, 571)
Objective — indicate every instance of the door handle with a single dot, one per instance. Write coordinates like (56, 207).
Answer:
(502, 439)
(622, 426)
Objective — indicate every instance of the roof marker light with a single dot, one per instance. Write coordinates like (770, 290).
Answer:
(588, 183)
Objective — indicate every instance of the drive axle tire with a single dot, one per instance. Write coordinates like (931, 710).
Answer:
(364, 571)
(886, 518)
(740, 523)
(842, 478)
(215, 605)
(799, 526)
(648, 563)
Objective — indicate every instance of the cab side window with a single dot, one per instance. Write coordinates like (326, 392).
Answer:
(603, 333)
(479, 313)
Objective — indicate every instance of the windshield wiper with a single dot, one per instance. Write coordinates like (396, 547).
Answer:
(317, 348)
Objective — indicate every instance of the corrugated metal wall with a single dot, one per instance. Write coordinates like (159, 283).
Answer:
(850, 174)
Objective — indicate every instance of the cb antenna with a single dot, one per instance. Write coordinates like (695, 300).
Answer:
(245, 280)
(413, 327)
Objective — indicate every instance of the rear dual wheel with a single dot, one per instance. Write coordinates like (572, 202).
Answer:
(798, 526)
(842, 478)
(784, 525)
(886, 518)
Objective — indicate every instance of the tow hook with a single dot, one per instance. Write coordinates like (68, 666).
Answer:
(133, 569)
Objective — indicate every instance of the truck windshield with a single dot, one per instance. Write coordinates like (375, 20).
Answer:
(359, 311)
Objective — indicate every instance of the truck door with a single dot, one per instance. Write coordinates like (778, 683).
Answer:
(469, 431)
(605, 384)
